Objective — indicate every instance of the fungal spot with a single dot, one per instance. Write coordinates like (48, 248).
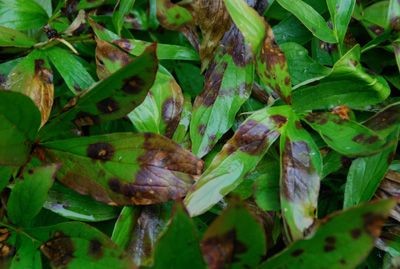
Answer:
(318, 118)
(373, 223)
(297, 252)
(133, 85)
(376, 29)
(107, 105)
(100, 151)
(95, 248)
(202, 129)
(279, 120)
(60, 251)
(6, 251)
(298, 124)
(330, 242)
(39, 65)
(364, 139)
(171, 110)
(212, 85)
(114, 185)
(4, 234)
(287, 81)
(355, 233)
(85, 119)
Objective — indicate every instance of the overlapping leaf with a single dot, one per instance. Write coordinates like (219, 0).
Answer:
(22, 15)
(127, 168)
(342, 241)
(112, 98)
(238, 156)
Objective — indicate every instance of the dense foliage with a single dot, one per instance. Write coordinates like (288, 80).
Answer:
(199, 134)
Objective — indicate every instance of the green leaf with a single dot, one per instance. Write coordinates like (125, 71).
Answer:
(126, 168)
(252, 26)
(341, 12)
(238, 156)
(72, 71)
(342, 241)
(302, 68)
(347, 84)
(235, 239)
(160, 112)
(124, 7)
(19, 123)
(266, 185)
(124, 226)
(22, 15)
(164, 51)
(227, 86)
(180, 237)
(172, 16)
(13, 38)
(345, 136)
(33, 77)
(27, 255)
(183, 125)
(301, 169)
(79, 245)
(394, 15)
(112, 98)
(71, 205)
(28, 195)
(310, 18)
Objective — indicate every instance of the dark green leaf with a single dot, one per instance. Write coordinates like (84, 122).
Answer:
(29, 194)
(13, 38)
(180, 237)
(19, 122)
(27, 255)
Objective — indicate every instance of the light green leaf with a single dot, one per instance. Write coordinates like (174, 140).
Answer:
(341, 12)
(22, 14)
(123, 9)
(13, 38)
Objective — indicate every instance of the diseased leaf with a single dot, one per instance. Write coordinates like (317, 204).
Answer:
(180, 237)
(238, 156)
(71, 205)
(345, 136)
(228, 83)
(13, 38)
(22, 15)
(138, 229)
(73, 72)
(389, 188)
(310, 18)
(347, 84)
(110, 99)
(161, 111)
(301, 169)
(252, 26)
(76, 245)
(29, 194)
(164, 51)
(235, 239)
(34, 78)
(183, 125)
(172, 16)
(341, 12)
(127, 168)
(394, 15)
(342, 241)
(19, 123)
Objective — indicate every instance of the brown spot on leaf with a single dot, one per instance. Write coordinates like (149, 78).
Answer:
(4, 234)
(251, 138)
(202, 129)
(318, 118)
(365, 139)
(95, 248)
(355, 233)
(376, 29)
(133, 85)
(39, 65)
(107, 105)
(373, 223)
(6, 251)
(86, 119)
(171, 112)
(297, 252)
(279, 120)
(114, 184)
(60, 251)
(100, 151)
(287, 81)
(213, 81)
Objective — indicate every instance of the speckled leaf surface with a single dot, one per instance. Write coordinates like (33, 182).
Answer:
(111, 98)
(128, 168)
(14, 38)
(301, 169)
(238, 156)
(343, 240)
